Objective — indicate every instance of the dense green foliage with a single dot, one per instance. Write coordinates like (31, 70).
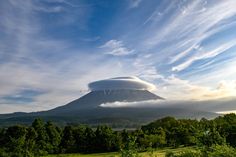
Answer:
(216, 138)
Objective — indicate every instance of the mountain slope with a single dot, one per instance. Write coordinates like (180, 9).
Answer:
(95, 98)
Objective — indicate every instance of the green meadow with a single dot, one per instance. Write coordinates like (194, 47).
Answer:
(155, 153)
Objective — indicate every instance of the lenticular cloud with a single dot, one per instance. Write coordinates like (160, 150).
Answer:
(132, 83)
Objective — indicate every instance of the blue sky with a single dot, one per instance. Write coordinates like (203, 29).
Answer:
(51, 49)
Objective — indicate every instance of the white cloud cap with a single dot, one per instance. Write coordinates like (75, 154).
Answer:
(132, 83)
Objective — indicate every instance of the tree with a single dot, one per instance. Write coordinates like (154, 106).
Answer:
(41, 139)
(2, 137)
(67, 144)
(80, 139)
(231, 137)
(30, 140)
(151, 140)
(90, 140)
(53, 137)
(15, 140)
(226, 126)
(210, 137)
(117, 141)
(130, 148)
(104, 139)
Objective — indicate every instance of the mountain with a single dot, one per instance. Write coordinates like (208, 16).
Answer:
(88, 110)
(122, 102)
(93, 99)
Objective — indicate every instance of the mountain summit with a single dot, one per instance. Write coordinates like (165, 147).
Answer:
(120, 89)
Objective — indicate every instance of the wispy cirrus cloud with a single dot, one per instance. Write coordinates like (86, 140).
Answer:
(203, 54)
(135, 3)
(185, 36)
(116, 48)
(187, 27)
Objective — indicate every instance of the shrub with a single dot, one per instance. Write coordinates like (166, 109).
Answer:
(186, 153)
(221, 151)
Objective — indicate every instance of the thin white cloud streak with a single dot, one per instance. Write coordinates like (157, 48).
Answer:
(69, 3)
(145, 69)
(148, 103)
(182, 54)
(227, 112)
(225, 71)
(204, 55)
(194, 44)
(116, 48)
(159, 13)
(56, 9)
(135, 3)
(218, 106)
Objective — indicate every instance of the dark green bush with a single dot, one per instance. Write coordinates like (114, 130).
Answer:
(222, 151)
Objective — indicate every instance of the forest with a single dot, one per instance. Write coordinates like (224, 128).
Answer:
(41, 138)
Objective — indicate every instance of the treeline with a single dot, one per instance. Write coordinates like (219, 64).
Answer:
(46, 138)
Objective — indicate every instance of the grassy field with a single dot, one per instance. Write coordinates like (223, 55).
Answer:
(157, 153)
